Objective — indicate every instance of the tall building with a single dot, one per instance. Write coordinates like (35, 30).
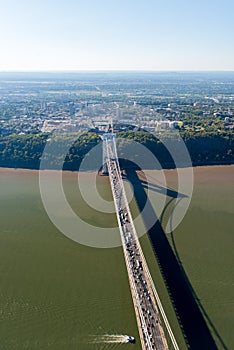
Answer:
(72, 109)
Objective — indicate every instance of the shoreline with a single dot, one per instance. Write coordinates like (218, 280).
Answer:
(216, 174)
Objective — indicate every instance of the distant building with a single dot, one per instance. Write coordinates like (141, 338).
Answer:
(119, 114)
(163, 124)
(58, 124)
(166, 124)
(43, 105)
(72, 109)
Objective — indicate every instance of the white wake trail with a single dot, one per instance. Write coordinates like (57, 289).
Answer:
(110, 338)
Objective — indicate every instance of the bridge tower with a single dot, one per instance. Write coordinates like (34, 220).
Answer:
(106, 138)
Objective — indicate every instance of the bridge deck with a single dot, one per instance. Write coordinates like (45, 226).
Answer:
(143, 291)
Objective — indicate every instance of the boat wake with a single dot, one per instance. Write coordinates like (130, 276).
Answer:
(110, 338)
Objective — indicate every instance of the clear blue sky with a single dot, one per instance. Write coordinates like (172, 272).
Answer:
(116, 34)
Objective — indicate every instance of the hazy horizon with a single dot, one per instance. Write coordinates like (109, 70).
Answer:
(119, 70)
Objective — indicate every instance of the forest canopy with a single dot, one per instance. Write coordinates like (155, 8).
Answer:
(25, 151)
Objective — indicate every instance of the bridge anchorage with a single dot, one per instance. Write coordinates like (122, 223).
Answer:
(153, 326)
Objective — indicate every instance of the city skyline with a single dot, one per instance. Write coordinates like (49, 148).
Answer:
(103, 36)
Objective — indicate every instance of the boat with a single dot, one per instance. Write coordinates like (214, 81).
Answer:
(131, 339)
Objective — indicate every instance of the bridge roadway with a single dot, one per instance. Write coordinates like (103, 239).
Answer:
(143, 291)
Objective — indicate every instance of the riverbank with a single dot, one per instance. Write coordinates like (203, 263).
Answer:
(203, 174)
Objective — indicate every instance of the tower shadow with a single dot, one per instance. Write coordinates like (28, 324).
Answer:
(191, 315)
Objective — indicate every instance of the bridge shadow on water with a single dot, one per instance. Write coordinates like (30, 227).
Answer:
(192, 316)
